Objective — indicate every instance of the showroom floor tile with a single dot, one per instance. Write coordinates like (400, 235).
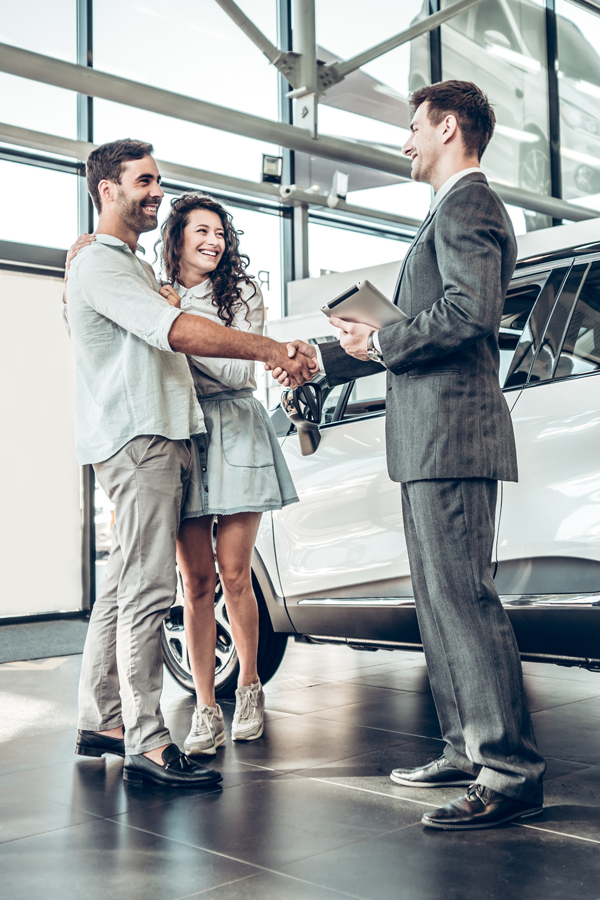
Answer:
(306, 813)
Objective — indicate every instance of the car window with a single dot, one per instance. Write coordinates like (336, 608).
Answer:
(581, 350)
(460, 22)
(367, 396)
(547, 355)
(529, 302)
(578, 58)
(530, 21)
(491, 20)
(330, 403)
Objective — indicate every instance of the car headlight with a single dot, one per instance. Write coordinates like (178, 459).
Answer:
(578, 120)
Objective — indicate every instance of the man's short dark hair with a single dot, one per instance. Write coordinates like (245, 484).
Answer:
(107, 160)
(464, 100)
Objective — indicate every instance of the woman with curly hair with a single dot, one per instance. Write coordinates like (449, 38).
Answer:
(244, 475)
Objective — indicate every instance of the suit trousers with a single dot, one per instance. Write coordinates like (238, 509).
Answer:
(122, 668)
(470, 646)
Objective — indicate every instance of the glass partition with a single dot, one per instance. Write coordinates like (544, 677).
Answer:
(48, 28)
(579, 89)
(39, 206)
(501, 46)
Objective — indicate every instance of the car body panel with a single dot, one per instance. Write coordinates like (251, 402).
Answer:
(554, 509)
(346, 536)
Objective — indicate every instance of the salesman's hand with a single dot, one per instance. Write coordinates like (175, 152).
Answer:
(353, 337)
(295, 350)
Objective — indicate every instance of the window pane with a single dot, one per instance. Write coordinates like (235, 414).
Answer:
(182, 142)
(500, 45)
(42, 27)
(191, 48)
(39, 206)
(48, 28)
(367, 395)
(579, 88)
(337, 250)
(581, 350)
(370, 105)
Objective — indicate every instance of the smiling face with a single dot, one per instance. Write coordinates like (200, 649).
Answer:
(139, 194)
(203, 246)
(425, 146)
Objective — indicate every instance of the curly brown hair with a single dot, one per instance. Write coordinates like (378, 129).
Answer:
(226, 293)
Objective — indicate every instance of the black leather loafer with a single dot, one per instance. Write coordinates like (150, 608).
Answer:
(90, 743)
(178, 771)
(480, 807)
(437, 774)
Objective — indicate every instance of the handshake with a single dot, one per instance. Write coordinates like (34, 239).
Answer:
(302, 363)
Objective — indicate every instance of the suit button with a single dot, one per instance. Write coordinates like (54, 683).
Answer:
(204, 468)
(389, 388)
(206, 489)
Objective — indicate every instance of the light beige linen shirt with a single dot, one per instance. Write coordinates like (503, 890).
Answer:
(128, 381)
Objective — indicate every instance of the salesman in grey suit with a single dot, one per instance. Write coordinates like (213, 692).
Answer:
(449, 441)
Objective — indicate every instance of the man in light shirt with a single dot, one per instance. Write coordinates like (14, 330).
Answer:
(138, 422)
(449, 442)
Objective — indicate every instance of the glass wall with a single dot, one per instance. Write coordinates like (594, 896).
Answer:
(39, 206)
(579, 89)
(48, 28)
(501, 46)
(371, 104)
(339, 250)
(194, 49)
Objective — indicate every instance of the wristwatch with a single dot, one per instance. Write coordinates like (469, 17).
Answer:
(372, 351)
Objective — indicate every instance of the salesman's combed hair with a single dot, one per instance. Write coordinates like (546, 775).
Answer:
(467, 103)
(106, 163)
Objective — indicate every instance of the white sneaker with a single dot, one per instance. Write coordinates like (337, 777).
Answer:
(207, 732)
(249, 716)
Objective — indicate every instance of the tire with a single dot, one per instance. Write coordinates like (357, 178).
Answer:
(534, 175)
(271, 646)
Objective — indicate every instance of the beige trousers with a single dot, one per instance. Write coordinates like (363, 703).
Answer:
(121, 675)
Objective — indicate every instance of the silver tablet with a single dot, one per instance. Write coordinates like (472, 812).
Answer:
(365, 304)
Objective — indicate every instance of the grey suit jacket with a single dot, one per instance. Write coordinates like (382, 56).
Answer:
(446, 414)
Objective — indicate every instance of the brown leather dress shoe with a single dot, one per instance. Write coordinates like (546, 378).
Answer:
(480, 807)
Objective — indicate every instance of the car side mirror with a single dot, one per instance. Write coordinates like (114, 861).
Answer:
(304, 407)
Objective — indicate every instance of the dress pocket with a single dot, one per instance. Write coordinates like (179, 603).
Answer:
(244, 436)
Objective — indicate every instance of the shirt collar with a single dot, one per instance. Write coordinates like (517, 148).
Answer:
(449, 183)
(198, 290)
(113, 241)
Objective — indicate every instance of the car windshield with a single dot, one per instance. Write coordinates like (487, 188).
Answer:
(577, 57)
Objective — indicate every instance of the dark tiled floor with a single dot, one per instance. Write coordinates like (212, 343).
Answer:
(306, 813)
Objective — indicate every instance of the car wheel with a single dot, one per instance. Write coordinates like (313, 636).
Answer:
(535, 176)
(271, 646)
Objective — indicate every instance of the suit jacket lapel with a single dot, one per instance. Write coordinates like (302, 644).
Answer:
(425, 222)
(473, 176)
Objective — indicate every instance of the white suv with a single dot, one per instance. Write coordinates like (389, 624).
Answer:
(334, 567)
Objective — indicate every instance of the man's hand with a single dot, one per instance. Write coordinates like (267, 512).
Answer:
(353, 337)
(300, 351)
(170, 294)
(82, 241)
